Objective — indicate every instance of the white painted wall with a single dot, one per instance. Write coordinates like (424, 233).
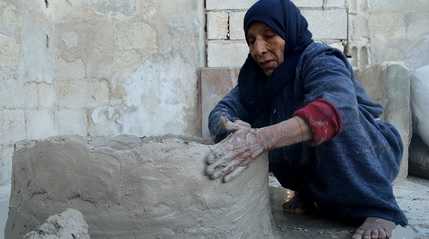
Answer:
(400, 31)
(97, 67)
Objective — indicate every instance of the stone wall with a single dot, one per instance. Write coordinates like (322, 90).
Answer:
(97, 67)
(335, 22)
(399, 31)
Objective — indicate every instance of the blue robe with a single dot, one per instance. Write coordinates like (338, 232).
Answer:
(349, 176)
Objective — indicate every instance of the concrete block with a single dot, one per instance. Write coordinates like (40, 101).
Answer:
(417, 25)
(227, 53)
(336, 3)
(113, 7)
(230, 4)
(359, 27)
(236, 25)
(46, 95)
(135, 35)
(69, 70)
(71, 122)
(217, 25)
(12, 126)
(8, 72)
(9, 50)
(31, 95)
(308, 3)
(398, 5)
(387, 25)
(40, 124)
(6, 152)
(327, 24)
(389, 84)
(71, 93)
(215, 83)
(98, 92)
(10, 92)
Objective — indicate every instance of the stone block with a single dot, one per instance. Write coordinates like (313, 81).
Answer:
(217, 25)
(71, 122)
(9, 50)
(215, 83)
(389, 84)
(236, 25)
(308, 3)
(12, 126)
(66, 225)
(31, 94)
(389, 25)
(69, 70)
(234, 4)
(128, 187)
(98, 92)
(336, 3)
(46, 95)
(6, 152)
(71, 93)
(398, 5)
(10, 92)
(359, 27)
(318, 20)
(419, 158)
(417, 25)
(227, 53)
(115, 8)
(135, 35)
(40, 124)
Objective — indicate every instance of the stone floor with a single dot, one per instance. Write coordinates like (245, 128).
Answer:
(412, 195)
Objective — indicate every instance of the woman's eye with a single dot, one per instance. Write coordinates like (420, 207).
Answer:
(269, 34)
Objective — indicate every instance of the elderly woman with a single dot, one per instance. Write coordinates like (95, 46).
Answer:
(298, 100)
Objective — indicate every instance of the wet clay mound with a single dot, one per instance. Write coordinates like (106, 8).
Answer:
(128, 187)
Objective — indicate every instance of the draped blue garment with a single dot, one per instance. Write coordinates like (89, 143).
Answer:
(349, 176)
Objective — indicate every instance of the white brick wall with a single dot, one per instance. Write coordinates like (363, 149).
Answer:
(12, 126)
(236, 25)
(327, 20)
(228, 4)
(327, 24)
(308, 3)
(6, 152)
(40, 124)
(336, 3)
(217, 25)
(226, 53)
(69, 122)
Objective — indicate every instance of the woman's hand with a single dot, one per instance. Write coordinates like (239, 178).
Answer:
(232, 155)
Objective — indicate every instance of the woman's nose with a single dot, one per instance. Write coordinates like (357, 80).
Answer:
(260, 47)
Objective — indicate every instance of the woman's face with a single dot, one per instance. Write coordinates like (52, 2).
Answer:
(266, 47)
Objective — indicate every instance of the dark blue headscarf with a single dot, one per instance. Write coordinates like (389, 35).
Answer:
(284, 18)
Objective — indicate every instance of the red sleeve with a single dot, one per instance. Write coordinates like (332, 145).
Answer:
(323, 120)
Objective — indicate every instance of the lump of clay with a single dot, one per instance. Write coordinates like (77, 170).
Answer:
(67, 225)
(128, 187)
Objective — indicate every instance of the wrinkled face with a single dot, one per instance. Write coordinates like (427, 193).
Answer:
(266, 47)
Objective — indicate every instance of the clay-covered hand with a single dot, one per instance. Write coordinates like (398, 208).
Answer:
(231, 156)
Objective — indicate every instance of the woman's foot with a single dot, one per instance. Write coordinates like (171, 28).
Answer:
(295, 205)
(375, 228)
